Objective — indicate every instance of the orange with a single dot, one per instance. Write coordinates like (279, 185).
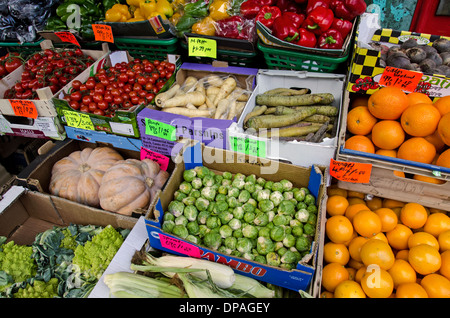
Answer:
(402, 254)
(332, 275)
(420, 120)
(355, 200)
(388, 103)
(335, 253)
(413, 215)
(444, 128)
(436, 286)
(437, 223)
(351, 211)
(377, 283)
(391, 203)
(336, 205)
(339, 229)
(388, 219)
(443, 159)
(354, 247)
(360, 121)
(443, 105)
(410, 290)
(326, 294)
(398, 237)
(445, 264)
(360, 143)
(424, 258)
(366, 223)
(417, 149)
(374, 203)
(354, 264)
(428, 179)
(388, 134)
(335, 190)
(349, 289)
(381, 236)
(436, 140)
(418, 98)
(377, 252)
(386, 152)
(351, 273)
(422, 238)
(360, 273)
(356, 194)
(444, 241)
(402, 272)
(359, 100)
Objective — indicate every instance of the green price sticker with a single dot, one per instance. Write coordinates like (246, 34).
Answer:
(202, 47)
(159, 129)
(248, 146)
(78, 120)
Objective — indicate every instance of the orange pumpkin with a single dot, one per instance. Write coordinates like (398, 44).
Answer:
(78, 176)
(130, 184)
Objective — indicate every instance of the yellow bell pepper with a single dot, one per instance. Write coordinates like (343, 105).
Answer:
(164, 7)
(137, 14)
(218, 9)
(118, 13)
(205, 27)
(147, 8)
(134, 3)
(175, 18)
(156, 13)
(135, 19)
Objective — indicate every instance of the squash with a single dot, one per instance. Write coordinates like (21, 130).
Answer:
(78, 176)
(131, 184)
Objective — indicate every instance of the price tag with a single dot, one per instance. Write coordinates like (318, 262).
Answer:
(179, 246)
(78, 120)
(404, 79)
(248, 146)
(354, 172)
(103, 32)
(24, 108)
(202, 47)
(163, 161)
(67, 37)
(159, 129)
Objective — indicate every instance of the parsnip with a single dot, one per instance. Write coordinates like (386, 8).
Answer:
(212, 90)
(190, 106)
(189, 83)
(209, 103)
(195, 98)
(214, 80)
(227, 87)
(187, 112)
(232, 111)
(221, 108)
(161, 97)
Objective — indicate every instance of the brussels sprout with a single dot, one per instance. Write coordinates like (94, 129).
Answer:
(179, 196)
(249, 217)
(250, 231)
(263, 195)
(232, 202)
(227, 175)
(309, 229)
(312, 208)
(286, 207)
(239, 176)
(286, 184)
(244, 245)
(224, 250)
(208, 181)
(180, 231)
(221, 197)
(195, 193)
(211, 206)
(277, 233)
(260, 181)
(185, 187)
(277, 186)
(288, 257)
(238, 212)
(189, 200)
(268, 185)
(264, 231)
(208, 193)
(248, 256)
(233, 192)
(218, 179)
(302, 215)
(261, 219)
(222, 189)
(297, 230)
(176, 208)
(190, 212)
(167, 226)
(271, 215)
(168, 217)
(235, 223)
(260, 259)
(213, 221)
(289, 240)
(201, 171)
(202, 215)
(189, 175)
(300, 194)
(225, 216)
(248, 207)
(281, 250)
(302, 244)
(252, 202)
(273, 259)
(266, 205)
(192, 238)
(212, 240)
(225, 231)
(288, 195)
(196, 183)
(238, 233)
(280, 219)
(251, 178)
(220, 206)
(264, 245)
(181, 219)
(203, 230)
(201, 204)
(244, 196)
(310, 199)
(301, 206)
(276, 197)
(226, 183)
(230, 242)
(295, 222)
(238, 183)
(250, 187)
(312, 219)
(193, 228)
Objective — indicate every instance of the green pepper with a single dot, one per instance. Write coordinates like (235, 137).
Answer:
(86, 32)
(55, 23)
(198, 9)
(90, 9)
(107, 4)
(185, 24)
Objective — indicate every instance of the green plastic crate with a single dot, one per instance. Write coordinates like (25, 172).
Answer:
(282, 59)
(24, 49)
(147, 48)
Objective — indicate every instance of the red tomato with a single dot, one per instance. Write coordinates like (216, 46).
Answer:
(74, 104)
(76, 96)
(86, 100)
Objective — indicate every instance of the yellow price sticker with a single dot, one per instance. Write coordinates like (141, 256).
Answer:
(202, 47)
(78, 120)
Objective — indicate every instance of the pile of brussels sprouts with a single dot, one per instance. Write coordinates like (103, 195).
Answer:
(246, 216)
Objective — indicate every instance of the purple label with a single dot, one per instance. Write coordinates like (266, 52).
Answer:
(28, 133)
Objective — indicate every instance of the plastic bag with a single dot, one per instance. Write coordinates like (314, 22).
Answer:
(236, 27)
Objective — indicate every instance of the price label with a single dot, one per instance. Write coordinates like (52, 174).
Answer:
(159, 129)
(103, 32)
(404, 79)
(67, 37)
(24, 108)
(78, 120)
(179, 246)
(354, 172)
(162, 160)
(202, 47)
(248, 146)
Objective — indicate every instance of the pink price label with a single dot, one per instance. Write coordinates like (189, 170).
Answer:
(162, 160)
(179, 246)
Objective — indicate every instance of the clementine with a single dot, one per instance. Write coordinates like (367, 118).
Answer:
(387, 152)
(388, 219)
(436, 286)
(366, 223)
(332, 275)
(349, 289)
(388, 103)
(388, 134)
(360, 143)
(359, 100)
(335, 253)
(436, 140)
(443, 159)
(413, 215)
(352, 209)
(420, 237)
(360, 121)
(339, 229)
(443, 128)
(445, 264)
(417, 149)
(410, 290)
(398, 237)
(437, 223)
(418, 98)
(377, 252)
(428, 179)
(336, 205)
(424, 258)
(443, 104)
(377, 283)
(444, 241)
(354, 247)
(374, 203)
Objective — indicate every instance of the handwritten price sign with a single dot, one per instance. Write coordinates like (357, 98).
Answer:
(78, 120)
(24, 108)
(159, 129)
(248, 146)
(354, 172)
(163, 161)
(67, 37)
(403, 79)
(103, 32)
(179, 246)
(202, 47)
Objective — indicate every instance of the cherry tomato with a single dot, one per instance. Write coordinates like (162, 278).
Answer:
(76, 96)
(97, 97)
(86, 100)
(99, 112)
(103, 105)
(76, 85)
(74, 104)
(92, 107)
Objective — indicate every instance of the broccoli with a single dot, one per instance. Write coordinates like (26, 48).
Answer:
(39, 289)
(17, 262)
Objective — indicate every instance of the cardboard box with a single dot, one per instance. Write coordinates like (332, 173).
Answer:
(296, 152)
(41, 127)
(220, 160)
(209, 131)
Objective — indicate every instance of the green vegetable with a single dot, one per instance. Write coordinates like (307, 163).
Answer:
(286, 207)
(277, 233)
(276, 197)
(202, 204)
(230, 242)
(264, 245)
(213, 222)
(309, 199)
(39, 289)
(266, 205)
(225, 216)
(289, 241)
(302, 244)
(297, 230)
(176, 208)
(208, 193)
(212, 240)
(261, 219)
(238, 212)
(233, 192)
(250, 231)
(244, 245)
(196, 183)
(193, 228)
(189, 175)
(188, 200)
(208, 181)
(179, 196)
(180, 230)
(202, 216)
(167, 226)
(302, 215)
(181, 220)
(273, 259)
(185, 187)
(225, 231)
(235, 224)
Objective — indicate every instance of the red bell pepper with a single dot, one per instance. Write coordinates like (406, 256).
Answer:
(307, 38)
(331, 39)
(319, 20)
(312, 4)
(348, 9)
(233, 27)
(297, 18)
(343, 26)
(284, 29)
(288, 6)
(267, 15)
(250, 8)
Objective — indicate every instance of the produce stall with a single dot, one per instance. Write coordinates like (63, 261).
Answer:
(251, 151)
